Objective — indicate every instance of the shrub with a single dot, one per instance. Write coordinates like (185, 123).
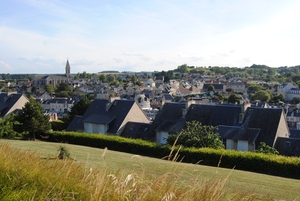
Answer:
(63, 153)
(249, 161)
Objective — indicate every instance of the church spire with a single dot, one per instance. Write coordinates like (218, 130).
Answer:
(68, 69)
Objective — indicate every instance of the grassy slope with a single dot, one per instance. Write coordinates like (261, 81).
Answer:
(278, 187)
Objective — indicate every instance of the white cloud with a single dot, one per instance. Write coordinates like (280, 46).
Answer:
(4, 65)
(157, 35)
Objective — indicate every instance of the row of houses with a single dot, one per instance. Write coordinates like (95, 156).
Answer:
(241, 127)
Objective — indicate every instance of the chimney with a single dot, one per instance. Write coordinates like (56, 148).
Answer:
(244, 106)
(188, 103)
(112, 98)
(185, 107)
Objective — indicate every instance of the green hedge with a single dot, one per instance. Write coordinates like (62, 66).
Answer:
(249, 161)
(58, 125)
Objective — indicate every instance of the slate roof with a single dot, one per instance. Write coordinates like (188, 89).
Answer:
(238, 133)
(266, 119)
(148, 93)
(169, 119)
(100, 119)
(135, 130)
(168, 97)
(98, 113)
(288, 146)
(214, 115)
(61, 100)
(294, 133)
(216, 86)
(76, 124)
(7, 102)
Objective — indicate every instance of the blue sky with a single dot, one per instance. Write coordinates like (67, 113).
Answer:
(38, 36)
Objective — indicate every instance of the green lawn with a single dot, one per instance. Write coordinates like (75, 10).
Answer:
(242, 181)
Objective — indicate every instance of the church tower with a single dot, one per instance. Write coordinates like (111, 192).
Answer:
(68, 69)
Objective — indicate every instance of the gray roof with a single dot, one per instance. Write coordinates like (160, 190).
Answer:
(76, 124)
(135, 130)
(288, 146)
(7, 102)
(216, 86)
(266, 119)
(99, 119)
(295, 133)
(98, 113)
(214, 115)
(238, 133)
(169, 119)
(61, 100)
(168, 97)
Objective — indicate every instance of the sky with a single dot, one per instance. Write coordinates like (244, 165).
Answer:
(39, 36)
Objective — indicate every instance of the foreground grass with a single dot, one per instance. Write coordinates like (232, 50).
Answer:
(95, 174)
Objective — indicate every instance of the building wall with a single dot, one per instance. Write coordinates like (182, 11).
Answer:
(88, 127)
(136, 115)
(18, 105)
(237, 87)
(290, 95)
(242, 146)
(231, 144)
(95, 128)
(251, 146)
(283, 130)
(161, 137)
(284, 90)
(239, 145)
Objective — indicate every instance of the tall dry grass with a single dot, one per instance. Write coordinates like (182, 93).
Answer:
(25, 176)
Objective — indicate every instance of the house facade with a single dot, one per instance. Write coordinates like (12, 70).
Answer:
(108, 117)
(11, 102)
(241, 127)
(285, 89)
(238, 87)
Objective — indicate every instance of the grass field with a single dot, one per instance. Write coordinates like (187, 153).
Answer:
(236, 181)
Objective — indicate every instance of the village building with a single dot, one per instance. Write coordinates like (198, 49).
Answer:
(43, 80)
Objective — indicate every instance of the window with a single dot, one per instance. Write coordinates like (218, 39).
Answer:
(287, 144)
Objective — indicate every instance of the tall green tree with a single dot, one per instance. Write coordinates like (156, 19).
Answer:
(133, 79)
(211, 88)
(234, 98)
(255, 87)
(33, 120)
(7, 127)
(197, 135)
(64, 90)
(63, 87)
(50, 88)
(103, 78)
(110, 78)
(183, 68)
(262, 96)
(78, 108)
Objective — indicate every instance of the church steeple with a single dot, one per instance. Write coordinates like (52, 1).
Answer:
(68, 69)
